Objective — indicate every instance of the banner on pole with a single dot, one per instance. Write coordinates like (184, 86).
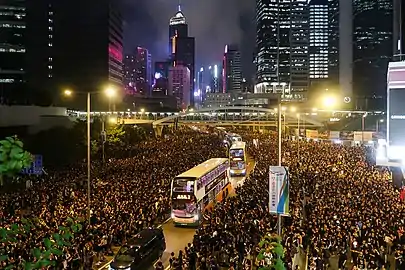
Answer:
(279, 193)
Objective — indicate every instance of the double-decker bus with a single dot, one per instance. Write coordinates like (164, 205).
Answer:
(231, 138)
(193, 190)
(237, 159)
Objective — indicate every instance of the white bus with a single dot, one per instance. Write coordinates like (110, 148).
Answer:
(193, 190)
(237, 159)
(231, 138)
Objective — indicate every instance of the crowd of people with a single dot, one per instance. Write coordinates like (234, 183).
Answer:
(344, 211)
(127, 195)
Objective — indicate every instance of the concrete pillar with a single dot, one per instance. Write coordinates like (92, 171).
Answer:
(158, 130)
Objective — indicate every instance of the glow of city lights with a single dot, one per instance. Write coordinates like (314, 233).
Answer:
(215, 71)
(226, 48)
(158, 75)
(209, 67)
(207, 89)
(197, 93)
(201, 69)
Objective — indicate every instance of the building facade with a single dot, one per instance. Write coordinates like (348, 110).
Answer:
(282, 45)
(232, 70)
(78, 55)
(12, 49)
(318, 41)
(179, 85)
(182, 47)
(373, 45)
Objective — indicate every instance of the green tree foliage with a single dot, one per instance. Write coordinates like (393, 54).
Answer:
(52, 245)
(13, 158)
(271, 253)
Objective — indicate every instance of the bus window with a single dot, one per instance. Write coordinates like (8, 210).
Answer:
(236, 153)
(183, 185)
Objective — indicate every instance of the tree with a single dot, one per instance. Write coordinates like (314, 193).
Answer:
(271, 253)
(13, 158)
(52, 245)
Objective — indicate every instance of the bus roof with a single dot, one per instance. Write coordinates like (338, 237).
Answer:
(203, 168)
(238, 145)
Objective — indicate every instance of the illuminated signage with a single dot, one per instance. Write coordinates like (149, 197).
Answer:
(183, 197)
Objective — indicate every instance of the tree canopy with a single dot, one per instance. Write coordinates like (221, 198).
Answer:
(271, 253)
(13, 157)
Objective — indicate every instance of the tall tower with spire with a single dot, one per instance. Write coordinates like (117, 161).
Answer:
(178, 28)
(182, 47)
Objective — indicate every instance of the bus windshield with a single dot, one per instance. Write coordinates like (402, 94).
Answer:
(236, 153)
(237, 165)
(183, 185)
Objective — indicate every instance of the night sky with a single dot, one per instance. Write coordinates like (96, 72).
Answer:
(213, 23)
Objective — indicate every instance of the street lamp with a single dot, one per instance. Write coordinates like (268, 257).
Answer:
(329, 101)
(108, 92)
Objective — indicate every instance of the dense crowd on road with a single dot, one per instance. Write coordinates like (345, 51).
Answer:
(127, 196)
(344, 211)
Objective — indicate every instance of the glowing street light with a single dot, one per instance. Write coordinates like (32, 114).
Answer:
(329, 101)
(67, 92)
(110, 92)
(293, 109)
(142, 110)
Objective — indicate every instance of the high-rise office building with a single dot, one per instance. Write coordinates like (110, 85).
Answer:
(214, 80)
(80, 55)
(232, 70)
(333, 41)
(282, 46)
(182, 47)
(177, 28)
(318, 41)
(399, 30)
(138, 72)
(129, 74)
(12, 48)
(373, 45)
(179, 85)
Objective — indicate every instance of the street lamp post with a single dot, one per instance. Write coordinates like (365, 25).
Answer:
(88, 158)
(298, 147)
(279, 217)
(110, 93)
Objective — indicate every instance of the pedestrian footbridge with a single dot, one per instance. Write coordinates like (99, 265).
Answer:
(221, 116)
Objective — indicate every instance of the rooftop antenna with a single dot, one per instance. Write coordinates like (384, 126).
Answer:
(179, 7)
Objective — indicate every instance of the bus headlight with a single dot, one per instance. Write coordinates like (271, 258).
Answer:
(172, 215)
(196, 217)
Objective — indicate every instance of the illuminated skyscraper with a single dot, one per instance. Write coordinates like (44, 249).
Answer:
(138, 72)
(232, 69)
(282, 45)
(318, 40)
(373, 45)
(179, 85)
(214, 79)
(12, 47)
(182, 47)
(177, 28)
(399, 29)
